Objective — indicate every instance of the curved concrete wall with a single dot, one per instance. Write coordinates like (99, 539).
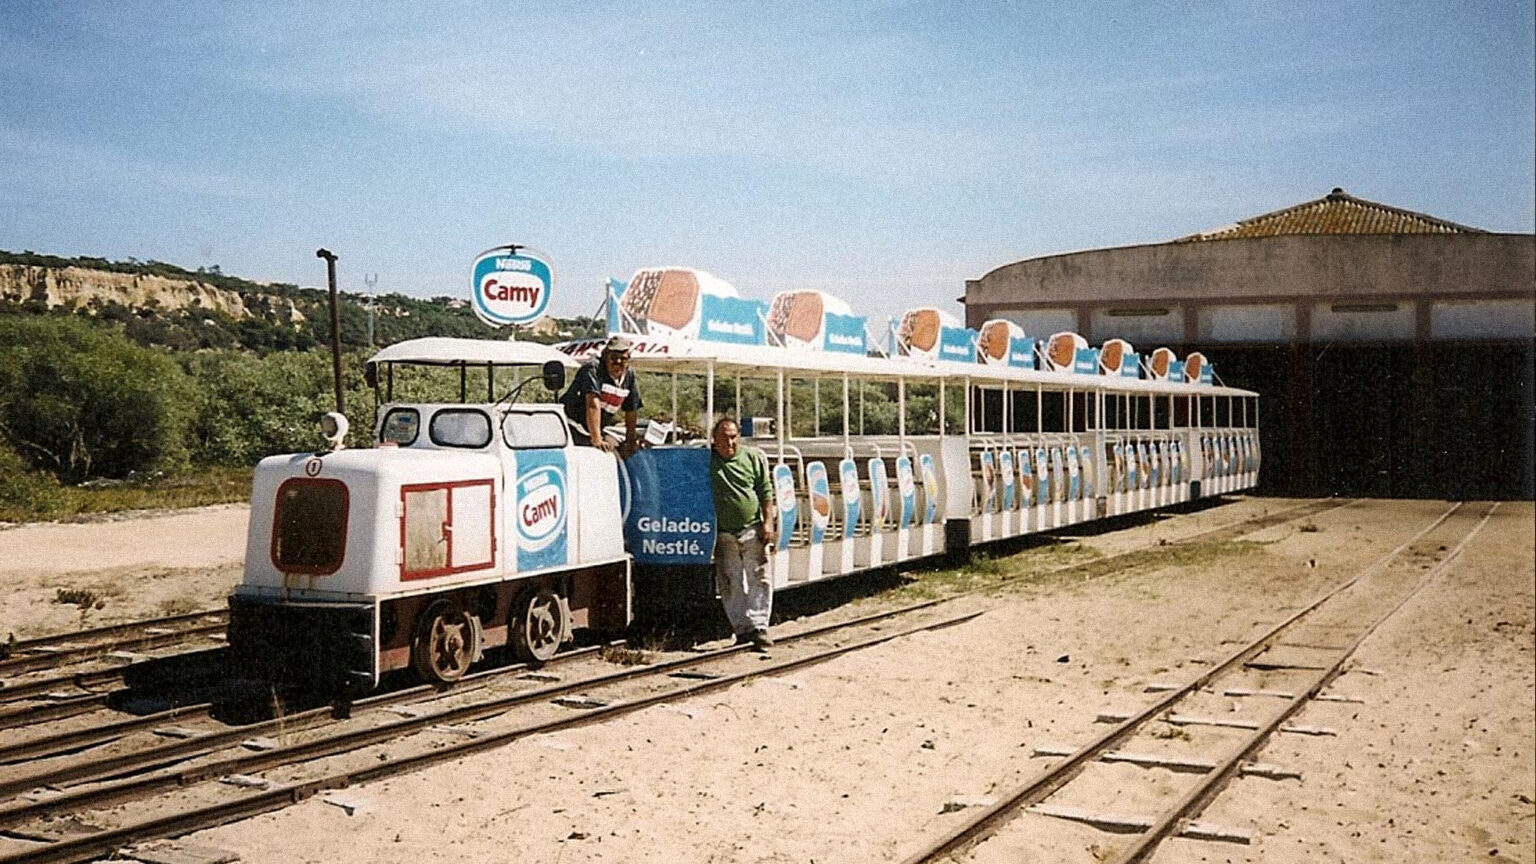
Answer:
(1275, 290)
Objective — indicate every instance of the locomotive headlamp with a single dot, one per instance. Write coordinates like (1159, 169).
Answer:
(333, 427)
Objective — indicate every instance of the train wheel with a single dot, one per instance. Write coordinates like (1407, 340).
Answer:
(444, 645)
(539, 624)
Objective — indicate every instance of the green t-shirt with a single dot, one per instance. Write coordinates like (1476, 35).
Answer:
(741, 485)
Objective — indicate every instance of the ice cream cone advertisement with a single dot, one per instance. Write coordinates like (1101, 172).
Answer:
(1160, 366)
(784, 498)
(1196, 369)
(1114, 354)
(906, 497)
(1026, 479)
(1085, 459)
(510, 285)
(1005, 470)
(848, 473)
(1042, 477)
(988, 478)
(1074, 475)
(820, 496)
(685, 303)
(879, 496)
(932, 334)
(1001, 342)
(1061, 351)
(814, 321)
(906, 489)
(930, 488)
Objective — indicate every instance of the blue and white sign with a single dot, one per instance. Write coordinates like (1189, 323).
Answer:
(1176, 370)
(957, 344)
(906, 488)
(844, 333)
(540, 516)
(849, 472)
(1042, 477)
(988, 482)
(1130, 366)
(1086, 361)
(616, 288)
(784, 496)
(930, 488)
(510, 285)
(819, 495)
(1026, 479)
(671, 518)
(879, 495)
(1005, 468)
(732, 319)
(1085, 458)
(1021, 352)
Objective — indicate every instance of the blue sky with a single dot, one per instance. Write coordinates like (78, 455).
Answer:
(882, 151)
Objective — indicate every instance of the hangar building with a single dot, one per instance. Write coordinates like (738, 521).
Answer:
(1393, 349)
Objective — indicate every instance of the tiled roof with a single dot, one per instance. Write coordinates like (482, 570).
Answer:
(1338, 213)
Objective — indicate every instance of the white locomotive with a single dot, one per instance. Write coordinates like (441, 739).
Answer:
(468, 526)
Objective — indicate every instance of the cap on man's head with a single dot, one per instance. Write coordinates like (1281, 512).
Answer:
(618, 343)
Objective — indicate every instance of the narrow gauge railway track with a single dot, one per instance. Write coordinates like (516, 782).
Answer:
(272, 795)
(1033, 795)
(100, 786)
(113, 728)
(96, 689)
(54, 651)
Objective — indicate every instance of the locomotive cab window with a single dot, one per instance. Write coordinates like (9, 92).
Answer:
(528, 429)
(460, 427)
(400, 426)
(309, 528)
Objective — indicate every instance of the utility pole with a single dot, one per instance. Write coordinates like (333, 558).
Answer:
(369, 281)
(330, 271)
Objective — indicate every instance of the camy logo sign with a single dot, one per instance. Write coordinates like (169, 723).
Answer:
(510, 285)
(540, 508)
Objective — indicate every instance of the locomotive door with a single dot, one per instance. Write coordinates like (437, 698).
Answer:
(447, 528)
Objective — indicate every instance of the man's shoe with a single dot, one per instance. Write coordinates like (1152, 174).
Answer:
(761, 640)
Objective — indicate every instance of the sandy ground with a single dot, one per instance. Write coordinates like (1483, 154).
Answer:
(866, 757)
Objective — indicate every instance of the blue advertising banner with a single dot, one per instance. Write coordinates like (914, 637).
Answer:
(819, 494)
(510, 285)
(732, 319)
(784, 496)
(1021, 352)
(1086, 361)
(1130, 366)
(879, 495)
(540, 501)
(616, 290)
(671, 516)
(1176, 371)
(957, 344)
(848, 471)
(1208, 373)
(907, 489)
(845, 333)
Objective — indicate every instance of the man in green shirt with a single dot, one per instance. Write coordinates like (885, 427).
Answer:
(745, 521)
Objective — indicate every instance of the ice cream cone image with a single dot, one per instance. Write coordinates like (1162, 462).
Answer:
(1113, 355)
(1193, 365)
(796, 318)
(1062, 350)
(1162, 358)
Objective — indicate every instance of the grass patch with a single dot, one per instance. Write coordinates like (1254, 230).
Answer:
(625, 656)
(41, 500)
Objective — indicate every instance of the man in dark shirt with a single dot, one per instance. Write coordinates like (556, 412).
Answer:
(745, 521)
(602, 388)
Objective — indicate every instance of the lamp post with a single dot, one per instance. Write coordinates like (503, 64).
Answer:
(330, 270)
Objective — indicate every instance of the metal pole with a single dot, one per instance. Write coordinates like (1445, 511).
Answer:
(330, 272)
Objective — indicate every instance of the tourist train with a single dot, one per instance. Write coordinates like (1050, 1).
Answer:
(475, 523)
